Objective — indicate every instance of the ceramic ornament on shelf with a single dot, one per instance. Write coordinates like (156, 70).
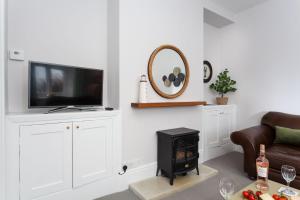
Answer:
(143, 89)
(175, 77)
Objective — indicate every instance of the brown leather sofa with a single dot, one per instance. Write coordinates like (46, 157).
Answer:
(277, 154)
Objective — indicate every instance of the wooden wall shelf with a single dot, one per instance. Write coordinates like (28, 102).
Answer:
(167, 104)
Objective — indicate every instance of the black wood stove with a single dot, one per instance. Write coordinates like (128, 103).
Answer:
(177, 152)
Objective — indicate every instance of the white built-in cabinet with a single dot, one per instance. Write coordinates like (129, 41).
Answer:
(92, 151)
(45, 159)
(63, 156)
(218, 123)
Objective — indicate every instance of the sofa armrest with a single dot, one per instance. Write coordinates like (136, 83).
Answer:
(250, 139)
(253, 137)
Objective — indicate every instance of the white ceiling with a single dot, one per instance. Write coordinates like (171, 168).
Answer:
(237, 6)
(215, 19)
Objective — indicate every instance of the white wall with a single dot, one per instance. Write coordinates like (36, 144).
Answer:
(2, 98)
(133, 30)
(144, 26)
(71, 32)
(262, 48)
(113, 53)
(212, 53)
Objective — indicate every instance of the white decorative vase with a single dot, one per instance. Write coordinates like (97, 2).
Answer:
(143, 89)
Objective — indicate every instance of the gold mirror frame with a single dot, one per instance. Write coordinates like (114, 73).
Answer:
(187, 71)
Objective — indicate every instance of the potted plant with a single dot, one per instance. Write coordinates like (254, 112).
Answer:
(223, 85)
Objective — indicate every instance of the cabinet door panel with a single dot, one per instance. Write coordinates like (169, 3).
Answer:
(92, 151)
(225, 126)
(211, 128)
(45, 159)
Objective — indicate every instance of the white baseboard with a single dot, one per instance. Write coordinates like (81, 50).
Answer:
(104, 187)
(141, 173)
(137, 174)
(148, 171)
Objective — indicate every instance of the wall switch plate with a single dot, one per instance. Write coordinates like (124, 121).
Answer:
(15, 54)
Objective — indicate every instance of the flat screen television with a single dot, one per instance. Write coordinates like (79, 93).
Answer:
(53, 85)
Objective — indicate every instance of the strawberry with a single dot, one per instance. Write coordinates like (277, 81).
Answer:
(246, 194)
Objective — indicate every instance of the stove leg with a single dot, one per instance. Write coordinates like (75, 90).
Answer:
(157, 171)
(171, 180)
(197, 168)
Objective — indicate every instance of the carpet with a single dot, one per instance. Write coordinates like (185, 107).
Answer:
(229, 165)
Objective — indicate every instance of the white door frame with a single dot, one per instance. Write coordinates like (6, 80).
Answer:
(2, 97)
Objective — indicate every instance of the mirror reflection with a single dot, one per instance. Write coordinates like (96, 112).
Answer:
(168, 71)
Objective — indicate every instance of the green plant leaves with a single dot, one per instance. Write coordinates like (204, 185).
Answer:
(223, 84)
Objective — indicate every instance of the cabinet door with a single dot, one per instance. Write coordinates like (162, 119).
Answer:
(45, 159)
(211, 128)
(225, 127)
(92, 151)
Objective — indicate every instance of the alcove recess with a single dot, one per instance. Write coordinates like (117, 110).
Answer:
(212, 17)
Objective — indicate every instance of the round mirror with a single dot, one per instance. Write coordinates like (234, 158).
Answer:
(168, 71)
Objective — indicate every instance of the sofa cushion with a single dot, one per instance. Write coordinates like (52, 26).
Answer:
(287, 136)
(282, 154)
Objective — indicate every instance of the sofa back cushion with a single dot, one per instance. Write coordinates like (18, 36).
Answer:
(273, 119)
(287, 136)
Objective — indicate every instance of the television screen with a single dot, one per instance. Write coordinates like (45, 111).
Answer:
(52, 85)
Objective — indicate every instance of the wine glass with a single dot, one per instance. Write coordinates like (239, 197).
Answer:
(289, 174)
(226, 187)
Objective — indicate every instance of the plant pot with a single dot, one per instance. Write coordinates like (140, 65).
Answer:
(222, 100)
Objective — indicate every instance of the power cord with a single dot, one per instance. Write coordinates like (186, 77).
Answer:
(124, 170)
